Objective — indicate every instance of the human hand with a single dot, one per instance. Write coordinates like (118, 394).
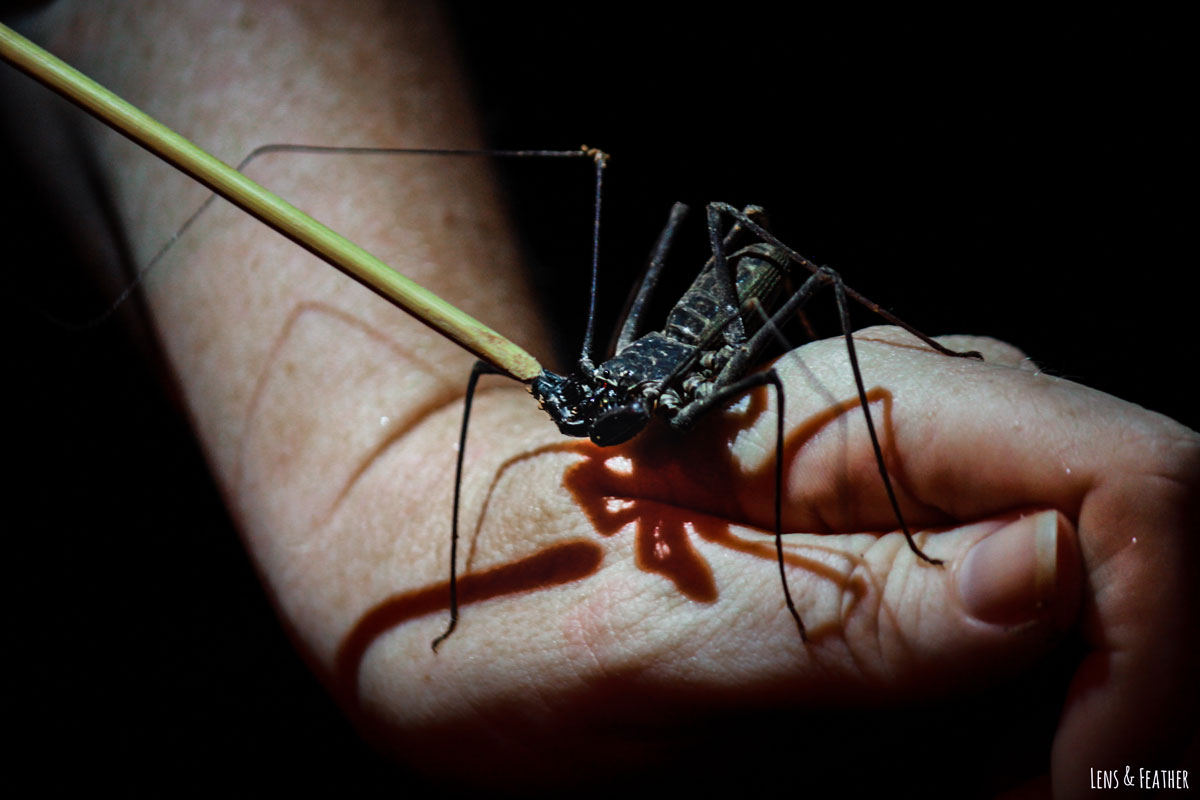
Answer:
(665, 642)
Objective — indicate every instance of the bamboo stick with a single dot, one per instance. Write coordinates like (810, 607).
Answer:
(327, 245)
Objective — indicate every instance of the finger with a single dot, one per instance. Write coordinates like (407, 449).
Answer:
(963, 439)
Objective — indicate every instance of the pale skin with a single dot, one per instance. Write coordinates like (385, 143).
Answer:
(329, 418)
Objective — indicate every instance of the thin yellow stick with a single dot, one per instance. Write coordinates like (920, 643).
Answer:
(267, 207)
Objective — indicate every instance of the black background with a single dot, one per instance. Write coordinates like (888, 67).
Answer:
(1020, 176)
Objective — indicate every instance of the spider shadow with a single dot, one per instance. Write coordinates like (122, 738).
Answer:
(673, 488)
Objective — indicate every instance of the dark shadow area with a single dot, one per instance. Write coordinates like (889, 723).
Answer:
(669, 499)
(749, 745)
(552, 566)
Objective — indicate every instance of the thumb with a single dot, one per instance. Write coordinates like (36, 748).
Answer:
(1027, 570)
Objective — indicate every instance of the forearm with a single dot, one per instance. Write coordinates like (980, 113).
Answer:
(304, 387)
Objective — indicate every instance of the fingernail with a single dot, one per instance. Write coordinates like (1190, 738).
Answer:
(1011, 576)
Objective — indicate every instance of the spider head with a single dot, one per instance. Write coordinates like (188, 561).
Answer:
(574, 401)
(583, 405)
